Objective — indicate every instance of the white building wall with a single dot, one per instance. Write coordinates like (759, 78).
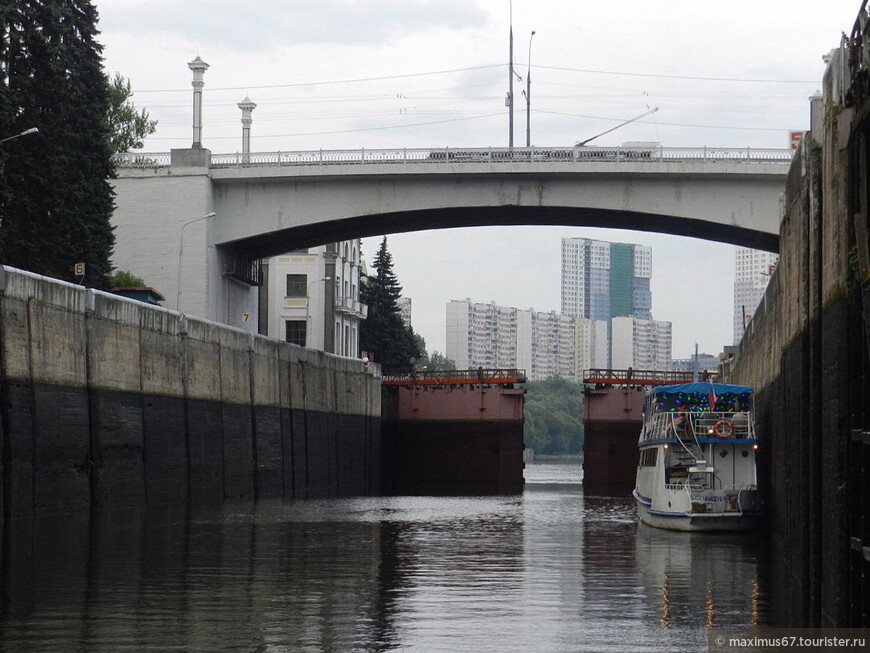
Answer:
(662, 345)
(301, 306)
(752, 269)
(583, 346)
(641, 344)
(542, 344)
(600, 344)
(481, 335)
(622, 343)
(643, 261)
(328, 284)
(459, 333)
(567, 365)
(349, 311)
(525, 340)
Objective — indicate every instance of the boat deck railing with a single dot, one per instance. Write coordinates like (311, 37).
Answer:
(699, 425)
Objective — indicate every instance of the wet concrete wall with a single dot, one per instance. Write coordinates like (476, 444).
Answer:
(805, 353)
(107, 402)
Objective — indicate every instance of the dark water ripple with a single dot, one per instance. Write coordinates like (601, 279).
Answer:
(549, 571)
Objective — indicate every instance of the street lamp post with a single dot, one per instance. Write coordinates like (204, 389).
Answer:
(32, 130)
(529, 95)
(308, 303)
(181, 251)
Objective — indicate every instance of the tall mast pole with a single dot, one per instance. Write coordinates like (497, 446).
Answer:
(510, 97)
(529, 95)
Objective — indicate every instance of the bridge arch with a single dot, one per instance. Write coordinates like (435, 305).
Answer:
(283, 240)
(227, 215)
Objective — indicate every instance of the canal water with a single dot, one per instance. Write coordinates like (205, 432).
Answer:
(550, 570)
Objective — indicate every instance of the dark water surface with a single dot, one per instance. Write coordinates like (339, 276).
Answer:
(550, 570)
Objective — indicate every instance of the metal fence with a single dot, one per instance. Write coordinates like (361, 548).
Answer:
(490, 155)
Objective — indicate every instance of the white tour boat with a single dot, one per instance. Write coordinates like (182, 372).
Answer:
(696, 469)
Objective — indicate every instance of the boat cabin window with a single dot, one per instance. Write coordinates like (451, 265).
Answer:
(648, 457)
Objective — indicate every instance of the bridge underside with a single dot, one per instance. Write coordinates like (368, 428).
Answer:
(199, 233)
(293, 238)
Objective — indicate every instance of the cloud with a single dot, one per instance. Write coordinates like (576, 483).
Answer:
(267, 24)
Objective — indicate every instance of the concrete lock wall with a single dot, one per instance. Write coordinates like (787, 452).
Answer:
(109, 402)
(804, 352)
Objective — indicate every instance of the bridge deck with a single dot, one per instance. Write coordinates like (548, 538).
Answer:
(453, 156)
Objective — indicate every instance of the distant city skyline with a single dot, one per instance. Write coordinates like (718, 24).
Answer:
(605, 319)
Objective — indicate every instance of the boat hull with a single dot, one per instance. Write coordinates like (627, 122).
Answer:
(683, 521)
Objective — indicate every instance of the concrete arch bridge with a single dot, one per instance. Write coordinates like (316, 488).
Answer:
(197, 224)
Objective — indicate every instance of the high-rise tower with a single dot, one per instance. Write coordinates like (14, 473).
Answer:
(752, 270)
(602, 280)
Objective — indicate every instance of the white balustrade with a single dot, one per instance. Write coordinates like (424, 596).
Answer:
(460, 156)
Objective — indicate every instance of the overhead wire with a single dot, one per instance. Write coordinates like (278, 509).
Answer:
(434, 104)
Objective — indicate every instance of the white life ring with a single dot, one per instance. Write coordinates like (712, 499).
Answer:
(723, 428)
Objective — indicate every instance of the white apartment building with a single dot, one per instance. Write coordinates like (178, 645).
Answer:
(545, 345)
(481, 335)
(591, 345)
(640, 344)
(752, 270)
(312, 298)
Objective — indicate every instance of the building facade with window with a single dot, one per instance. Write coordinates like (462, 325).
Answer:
(603, 280)
(640, 344)
(544, 344)
(752, 270)
(591, 346)
(481, 335)
(311, 298)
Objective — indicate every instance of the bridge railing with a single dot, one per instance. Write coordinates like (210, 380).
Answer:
(458, 156)
(142, 160)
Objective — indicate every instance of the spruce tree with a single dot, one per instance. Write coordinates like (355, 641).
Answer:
(383, 334)
(55, 197)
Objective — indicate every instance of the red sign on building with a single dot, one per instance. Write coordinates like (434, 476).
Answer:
(794, 139)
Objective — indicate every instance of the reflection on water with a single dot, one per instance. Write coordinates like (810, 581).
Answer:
(550, 570)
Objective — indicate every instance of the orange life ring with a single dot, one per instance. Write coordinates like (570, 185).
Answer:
(723, 428)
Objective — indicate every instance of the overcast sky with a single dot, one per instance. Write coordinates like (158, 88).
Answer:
(346, 74)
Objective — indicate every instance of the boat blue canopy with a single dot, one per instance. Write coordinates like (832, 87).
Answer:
(700, 396)
(700, 388)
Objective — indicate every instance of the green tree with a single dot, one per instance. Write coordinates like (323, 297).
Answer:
(436, 361)
(554, 417)
(125, 279)
(383, 334)
(128, 125)
(55, 197)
